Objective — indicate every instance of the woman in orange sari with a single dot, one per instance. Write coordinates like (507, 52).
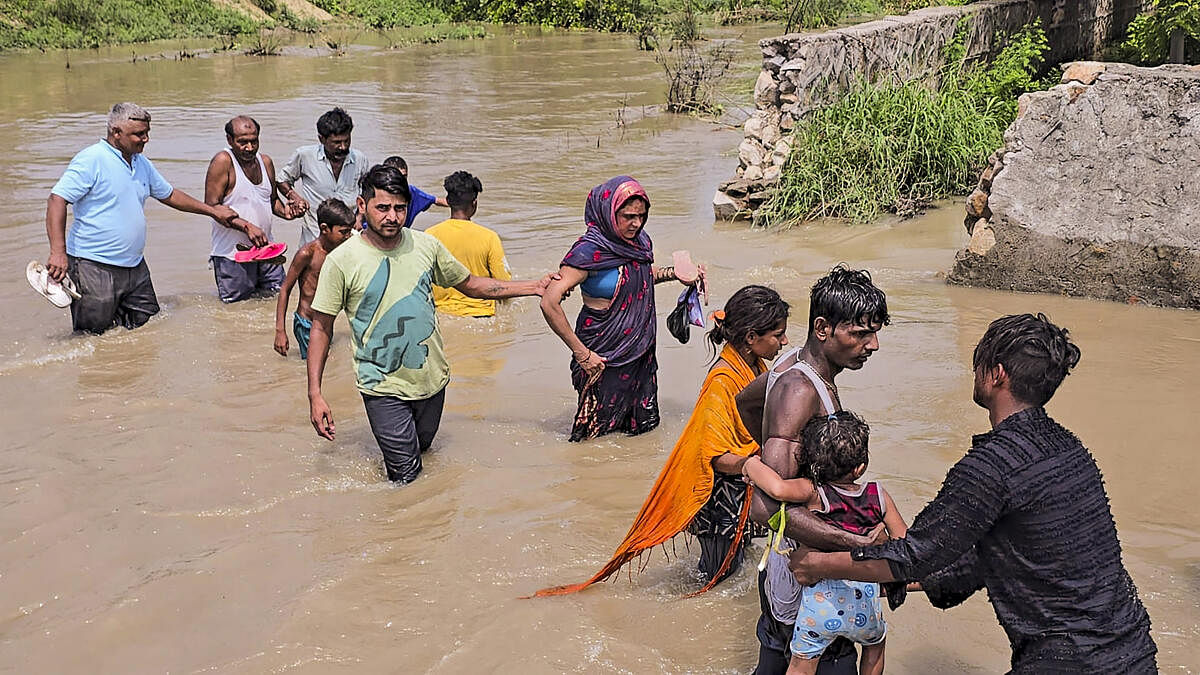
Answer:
(701, 488)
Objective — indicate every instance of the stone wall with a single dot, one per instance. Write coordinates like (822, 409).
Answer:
(802, 71)
(1095, 190)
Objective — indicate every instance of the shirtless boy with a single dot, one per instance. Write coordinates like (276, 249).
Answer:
(336, 223)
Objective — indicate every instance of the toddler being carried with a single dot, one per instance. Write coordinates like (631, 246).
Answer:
(834, 451)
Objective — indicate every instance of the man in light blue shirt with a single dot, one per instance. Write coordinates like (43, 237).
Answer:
(106, 185)
(329, 169)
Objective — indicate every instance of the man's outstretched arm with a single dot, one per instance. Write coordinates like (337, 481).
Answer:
(971, 500)
(486, 288)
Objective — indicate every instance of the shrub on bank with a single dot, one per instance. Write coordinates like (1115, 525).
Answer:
(91, 23)
(385, 14)
(899, 146)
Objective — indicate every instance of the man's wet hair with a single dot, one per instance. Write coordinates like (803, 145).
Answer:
(334, 122)
(1035, 353)
(835, 445)
(752, 308)
(461, 189)
(386, 178)
(396, 162)
(334, 212)
(848, 295)
(229, 124)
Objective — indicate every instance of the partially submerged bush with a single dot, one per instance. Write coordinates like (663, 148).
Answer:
(898, 146)
(695, 72)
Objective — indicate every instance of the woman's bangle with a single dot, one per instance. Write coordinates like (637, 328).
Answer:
(586, 356)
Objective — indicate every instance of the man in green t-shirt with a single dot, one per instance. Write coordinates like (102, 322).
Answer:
(384, 281)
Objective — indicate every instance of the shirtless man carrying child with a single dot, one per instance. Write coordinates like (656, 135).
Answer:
(336, 223)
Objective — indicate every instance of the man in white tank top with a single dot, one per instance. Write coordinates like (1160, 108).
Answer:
(846, 311)
(244, 179)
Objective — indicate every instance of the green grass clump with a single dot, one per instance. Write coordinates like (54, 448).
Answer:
(899, 146)
(882, 148)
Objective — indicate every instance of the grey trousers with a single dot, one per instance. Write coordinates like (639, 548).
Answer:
(241, 281)
(112, 295)
(404, 430)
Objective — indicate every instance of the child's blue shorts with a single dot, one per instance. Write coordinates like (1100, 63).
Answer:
(835, 608)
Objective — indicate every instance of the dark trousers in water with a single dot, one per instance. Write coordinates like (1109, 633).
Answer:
(774, 637)
(716, 523)
(404, 430)
(713, 549)
(112, 295)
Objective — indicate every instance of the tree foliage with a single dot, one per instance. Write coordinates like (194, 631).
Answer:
(1149, 34)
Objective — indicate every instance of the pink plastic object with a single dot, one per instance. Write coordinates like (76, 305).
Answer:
(261, 253)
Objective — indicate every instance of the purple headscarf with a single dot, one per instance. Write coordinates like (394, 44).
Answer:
(600, 247)
(625, 332)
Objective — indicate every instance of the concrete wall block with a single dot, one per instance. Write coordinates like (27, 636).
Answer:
(1122, 154)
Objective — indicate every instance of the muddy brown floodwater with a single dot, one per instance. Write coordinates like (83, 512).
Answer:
(166, 506)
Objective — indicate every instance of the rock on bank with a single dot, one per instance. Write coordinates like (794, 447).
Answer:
(1096, 191)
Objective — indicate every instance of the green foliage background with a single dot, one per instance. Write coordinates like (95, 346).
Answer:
(1149, 35)
(90, 23)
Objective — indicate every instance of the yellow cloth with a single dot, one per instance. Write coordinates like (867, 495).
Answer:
(480, 250)
(686, 482)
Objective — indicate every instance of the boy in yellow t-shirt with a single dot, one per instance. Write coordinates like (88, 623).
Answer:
(472, 244)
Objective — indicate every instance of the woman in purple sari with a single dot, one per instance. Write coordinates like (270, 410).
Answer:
(614, 368)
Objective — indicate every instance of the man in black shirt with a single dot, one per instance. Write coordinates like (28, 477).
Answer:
(1025, 515)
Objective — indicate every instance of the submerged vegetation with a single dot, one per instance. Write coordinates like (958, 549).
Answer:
(898, 146)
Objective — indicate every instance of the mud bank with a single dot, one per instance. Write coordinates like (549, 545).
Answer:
(1094, 192)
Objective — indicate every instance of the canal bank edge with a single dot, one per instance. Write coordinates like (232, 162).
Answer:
(1094, 192)
(803, 71)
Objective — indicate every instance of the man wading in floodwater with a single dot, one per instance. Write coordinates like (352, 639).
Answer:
(330, 168)
(384, 280)
(243, 179)
(106, 185)
(846, 312)
(1023, 514)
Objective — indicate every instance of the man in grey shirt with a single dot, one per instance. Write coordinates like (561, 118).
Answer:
(328, 169)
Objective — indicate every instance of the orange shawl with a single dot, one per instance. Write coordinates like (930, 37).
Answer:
(686, 482)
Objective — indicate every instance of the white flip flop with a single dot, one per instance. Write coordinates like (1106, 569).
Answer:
(60, 294)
